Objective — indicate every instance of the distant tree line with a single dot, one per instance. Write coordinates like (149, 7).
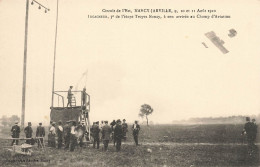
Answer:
(240, 119)
(9, 121)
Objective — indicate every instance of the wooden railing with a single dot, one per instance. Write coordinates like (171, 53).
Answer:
(85, 104)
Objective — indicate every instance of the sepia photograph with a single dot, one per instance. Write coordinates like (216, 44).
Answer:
(140, 83)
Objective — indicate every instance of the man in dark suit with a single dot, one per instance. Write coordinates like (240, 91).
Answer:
(118, 134)
(49, 134)
(249, 131)
(83, 97)
(95, 133)
(136, 128)
(60, 134)
(69, 96)
(125, 129)
(67, 135)
(73, 139)
(113, 124)
(40, 132)
(254, 129)
(28, 133)
(15, 133)
(106, 131)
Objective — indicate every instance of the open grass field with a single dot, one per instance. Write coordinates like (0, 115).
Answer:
(185, 145)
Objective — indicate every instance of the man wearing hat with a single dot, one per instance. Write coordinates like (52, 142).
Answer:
(52, 134)
(125, 129)
(106, 131)
(28, 133)
(60, 134)
(249, 131)
(113, 124)
(15, 133)
(100, 127)
(49, 135)
(254, 130)
(40, 132)
(118, 134)
(136, 128)
(83, 96)
(81, 129)
(95, 133)
(67, 135)
(73, 139)
(69, 96)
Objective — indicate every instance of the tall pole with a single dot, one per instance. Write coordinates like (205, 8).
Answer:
(24, 64)
(53, 74)
(25, 57)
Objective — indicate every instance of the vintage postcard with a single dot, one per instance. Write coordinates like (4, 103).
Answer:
(129, 83)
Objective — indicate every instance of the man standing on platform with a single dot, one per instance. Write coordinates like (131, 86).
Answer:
(118, 134)
(15, 133)
(40, 132)
(106, 131)
(28, 133)
(136, 128)
(83, 97)
(69, 96)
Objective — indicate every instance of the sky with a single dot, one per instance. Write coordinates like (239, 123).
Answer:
(130, 62)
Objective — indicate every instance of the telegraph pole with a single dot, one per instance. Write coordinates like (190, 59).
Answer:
(53, 74)
(24, 63)
(25, 57)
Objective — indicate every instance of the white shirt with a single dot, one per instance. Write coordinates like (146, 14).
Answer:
(52, 130)
(101, 126)
(73, 130)
(60, 128)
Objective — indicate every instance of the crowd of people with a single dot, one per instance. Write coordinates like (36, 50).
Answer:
(73, 134)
